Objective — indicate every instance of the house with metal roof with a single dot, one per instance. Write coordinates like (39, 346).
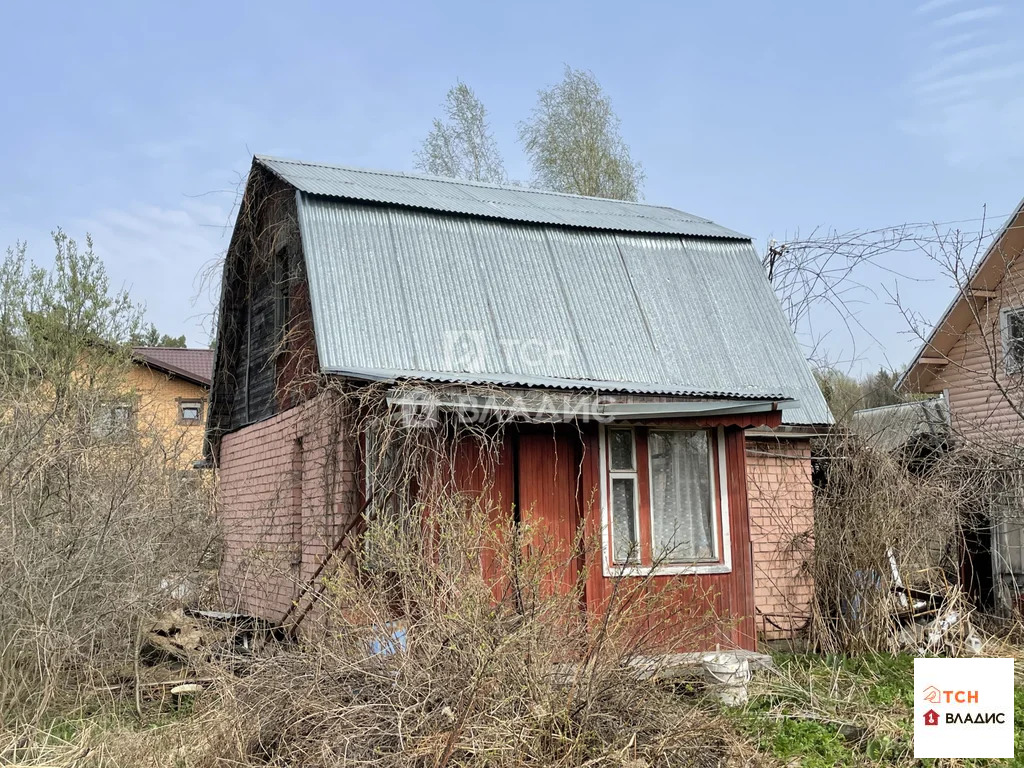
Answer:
(169, 388)
(974, 357)
(617, 354)
(974, 354)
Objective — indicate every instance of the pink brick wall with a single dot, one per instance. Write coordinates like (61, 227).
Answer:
(287, 492)
(782, 531)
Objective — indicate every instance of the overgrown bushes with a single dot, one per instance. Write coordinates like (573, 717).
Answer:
(417, 664)
(98, 525)
(892, 532)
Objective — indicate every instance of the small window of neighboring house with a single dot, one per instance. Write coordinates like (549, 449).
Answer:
(190, 411)
(1012, 322)
(662, 501)
(113, 420)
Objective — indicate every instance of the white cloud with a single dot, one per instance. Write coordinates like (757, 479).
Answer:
(159, 254)
(961, 95)
(967, 17)
(934, 5)
(953, 41)
(951, 62)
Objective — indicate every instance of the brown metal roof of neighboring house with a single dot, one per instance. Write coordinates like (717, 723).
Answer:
(195, 365)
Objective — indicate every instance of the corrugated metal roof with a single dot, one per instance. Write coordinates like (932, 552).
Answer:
(402, 292)
(895, 426)
(475, 199)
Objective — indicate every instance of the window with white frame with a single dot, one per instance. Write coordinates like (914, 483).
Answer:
(190, 411)
(662, 497)
(1012, 322)
(624, 492)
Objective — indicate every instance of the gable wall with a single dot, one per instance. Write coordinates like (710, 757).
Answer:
(975, 376)
(265, 338)
(158, 395)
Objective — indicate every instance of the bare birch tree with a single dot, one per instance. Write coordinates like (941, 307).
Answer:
(573, 142)
(461, 145)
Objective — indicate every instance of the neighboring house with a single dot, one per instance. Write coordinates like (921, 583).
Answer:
(974, 357)
(170, 387)
(975, 353)
(655, 329)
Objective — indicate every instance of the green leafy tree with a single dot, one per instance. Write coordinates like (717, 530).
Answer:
(461, 145)
(845, 394)
(62, 325)
(573, 142)
(879, 389)
(841, 391)
(150, 337)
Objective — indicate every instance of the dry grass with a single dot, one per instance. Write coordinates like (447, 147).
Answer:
(474, 681)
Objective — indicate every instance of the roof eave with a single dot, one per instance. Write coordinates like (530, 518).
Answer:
(913, 372)
(173, 370)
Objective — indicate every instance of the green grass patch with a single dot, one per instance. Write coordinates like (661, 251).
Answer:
(823, 711)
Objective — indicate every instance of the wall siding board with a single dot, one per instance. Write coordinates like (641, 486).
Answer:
(975, 375)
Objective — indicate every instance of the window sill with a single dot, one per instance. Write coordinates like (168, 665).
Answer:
(676, 569)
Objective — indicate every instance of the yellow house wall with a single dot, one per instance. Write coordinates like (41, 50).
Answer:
(156, 410)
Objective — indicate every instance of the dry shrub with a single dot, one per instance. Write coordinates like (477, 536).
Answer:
(886, 519)
(416, 659)
(100, 527)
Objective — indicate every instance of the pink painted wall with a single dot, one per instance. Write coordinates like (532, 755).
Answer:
(278, 519)
(782, 532)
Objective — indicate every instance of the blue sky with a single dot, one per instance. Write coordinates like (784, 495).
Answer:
(136, 121)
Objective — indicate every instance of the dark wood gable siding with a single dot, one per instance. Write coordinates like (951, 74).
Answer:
(254, 371)
(263, 272)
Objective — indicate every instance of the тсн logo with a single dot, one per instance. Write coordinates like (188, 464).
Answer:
(933, 695)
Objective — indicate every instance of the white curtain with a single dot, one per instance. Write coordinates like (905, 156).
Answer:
(681, 522)
(624, 521)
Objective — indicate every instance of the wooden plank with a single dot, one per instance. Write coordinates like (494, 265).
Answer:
(547, 501)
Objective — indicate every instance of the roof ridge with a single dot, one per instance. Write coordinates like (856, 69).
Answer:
(483, 184)
(176, 349)
(893, 406)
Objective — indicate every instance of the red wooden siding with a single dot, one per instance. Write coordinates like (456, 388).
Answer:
(492, 480)
(559, 476)
(728, 595)
(548, 472)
